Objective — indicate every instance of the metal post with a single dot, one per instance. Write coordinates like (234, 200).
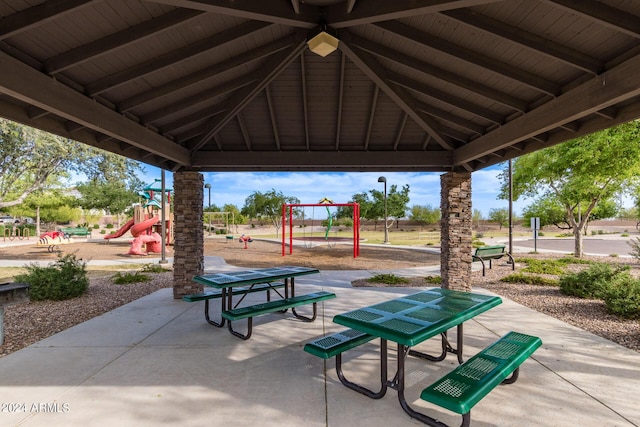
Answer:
(163, 217)
(510, 207)
(386, 229)
(208, 187)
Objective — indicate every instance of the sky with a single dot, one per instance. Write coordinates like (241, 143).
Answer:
(310, 187)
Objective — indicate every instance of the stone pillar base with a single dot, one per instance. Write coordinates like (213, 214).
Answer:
(456, 233)
(188, 259)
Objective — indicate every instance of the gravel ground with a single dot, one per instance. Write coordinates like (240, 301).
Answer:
(28, 323)
(590, 315)
(31, 322)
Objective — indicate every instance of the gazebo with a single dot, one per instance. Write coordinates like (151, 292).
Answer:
(193, 86)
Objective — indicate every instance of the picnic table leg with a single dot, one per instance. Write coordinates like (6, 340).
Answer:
(403, 401)
(383, 375)
(446, 348)
(238, 334)
(213, 322)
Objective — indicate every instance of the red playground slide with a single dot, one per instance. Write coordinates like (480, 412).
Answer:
(120, 232)
(141, 235)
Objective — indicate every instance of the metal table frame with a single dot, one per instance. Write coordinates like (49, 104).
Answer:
(228, 280)
(409, 321)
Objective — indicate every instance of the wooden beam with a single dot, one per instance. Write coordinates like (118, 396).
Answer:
(324, 160)
(600, 12)
(528, 40)
(370, 11)
(413, 35)
(37, 15)
(196, 77)
(374, 71)
(616, 85)
(275, 12)
(372, 113)
(191, 101)
(276, 64)
(441, 74)
(272, 117)
(446, 98)
(28, 85)
(172, 58)
(117, 40)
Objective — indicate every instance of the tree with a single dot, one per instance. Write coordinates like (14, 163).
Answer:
(267, 205)
(32, 160)
(499, 215)
(580, 173)
(424, 215)
(113, 197)
(476, 217)
(397, 202)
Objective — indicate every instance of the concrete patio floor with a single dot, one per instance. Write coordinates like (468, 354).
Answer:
(156, 362)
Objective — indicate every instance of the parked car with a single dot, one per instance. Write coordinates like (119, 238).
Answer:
(6, 219)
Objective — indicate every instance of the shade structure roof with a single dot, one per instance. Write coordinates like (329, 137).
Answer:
(415, 85)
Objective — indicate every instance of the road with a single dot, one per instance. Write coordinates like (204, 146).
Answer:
(596, 246)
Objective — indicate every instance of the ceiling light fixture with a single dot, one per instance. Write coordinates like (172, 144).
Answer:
(323, 40)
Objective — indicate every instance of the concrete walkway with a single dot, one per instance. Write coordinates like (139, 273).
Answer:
(157, 362)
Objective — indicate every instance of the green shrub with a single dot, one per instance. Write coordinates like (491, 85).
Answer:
(433, 280)
(592, 282)
(388, 279)
(109, 225)
(622, 297)
(570, 259)
(543, 266)
(127, 278)
(153, 268)
(635, 247)
(66, 278)
(478, 243)
(529, 279)
(96, 226)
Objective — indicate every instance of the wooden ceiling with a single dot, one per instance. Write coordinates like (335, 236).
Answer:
(421, 85)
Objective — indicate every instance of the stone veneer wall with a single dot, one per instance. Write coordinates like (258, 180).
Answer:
(188, 258)
(455, 255)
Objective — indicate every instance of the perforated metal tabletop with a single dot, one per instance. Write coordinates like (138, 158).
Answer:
(412, 319)
(250, 277)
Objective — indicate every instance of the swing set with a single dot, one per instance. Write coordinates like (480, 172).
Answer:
(287, 215)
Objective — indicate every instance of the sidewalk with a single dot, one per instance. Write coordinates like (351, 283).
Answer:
(156, 362)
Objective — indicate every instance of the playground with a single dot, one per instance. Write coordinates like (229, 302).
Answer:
(259, 253)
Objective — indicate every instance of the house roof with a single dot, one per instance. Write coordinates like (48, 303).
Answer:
(217, 85)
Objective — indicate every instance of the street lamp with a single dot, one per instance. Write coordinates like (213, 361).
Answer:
(208, 187)
(386, 230)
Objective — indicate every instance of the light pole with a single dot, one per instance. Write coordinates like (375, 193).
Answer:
(208, 187)
(386, 230)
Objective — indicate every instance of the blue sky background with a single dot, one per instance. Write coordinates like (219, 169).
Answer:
(310, 187)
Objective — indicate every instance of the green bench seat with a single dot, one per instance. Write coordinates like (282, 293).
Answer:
(76, 231)
(488, 253)
(461, 389)
(336, 344)
(248, 312)
(217, 293)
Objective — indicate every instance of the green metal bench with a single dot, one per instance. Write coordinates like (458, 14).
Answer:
(336, 344)
(461, 389)
(484, 253)
(248, 312)
(217, 293)
(76, 231)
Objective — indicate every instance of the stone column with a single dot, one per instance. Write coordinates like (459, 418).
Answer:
(455, 226)
(188, 258)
